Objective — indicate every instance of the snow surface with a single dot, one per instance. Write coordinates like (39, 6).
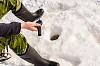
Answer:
(77, 22)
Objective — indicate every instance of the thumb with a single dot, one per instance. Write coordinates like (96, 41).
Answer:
(34, 29)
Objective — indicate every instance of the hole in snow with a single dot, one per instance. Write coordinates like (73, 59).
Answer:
(54, 37)
(55, 32)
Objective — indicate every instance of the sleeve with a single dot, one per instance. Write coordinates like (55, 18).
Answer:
(8, 29)
(16, 4)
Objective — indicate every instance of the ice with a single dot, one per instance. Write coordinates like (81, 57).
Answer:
(77, 22)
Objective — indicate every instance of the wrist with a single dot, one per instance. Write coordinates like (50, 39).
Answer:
(22, 25)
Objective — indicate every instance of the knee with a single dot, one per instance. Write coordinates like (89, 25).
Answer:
(18, 44)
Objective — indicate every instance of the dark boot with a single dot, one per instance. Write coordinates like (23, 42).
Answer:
(26, 15)
(52, 63)
(33, 57)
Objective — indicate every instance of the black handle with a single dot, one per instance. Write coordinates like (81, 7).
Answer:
(39, 28)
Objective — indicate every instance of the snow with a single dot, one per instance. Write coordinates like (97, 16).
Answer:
(77, 22)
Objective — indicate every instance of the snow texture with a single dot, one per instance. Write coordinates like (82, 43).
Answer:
(77, 22)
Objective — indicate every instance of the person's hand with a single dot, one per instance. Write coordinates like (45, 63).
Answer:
(30, 26)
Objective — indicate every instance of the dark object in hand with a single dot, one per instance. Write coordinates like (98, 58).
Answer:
(39, 28)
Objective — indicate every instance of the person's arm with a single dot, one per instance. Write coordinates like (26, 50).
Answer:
(9, 29)
(15, 28)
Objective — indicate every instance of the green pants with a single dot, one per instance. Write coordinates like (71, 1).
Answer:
(16, 42)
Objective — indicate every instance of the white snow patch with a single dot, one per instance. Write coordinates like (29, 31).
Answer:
(78, 24)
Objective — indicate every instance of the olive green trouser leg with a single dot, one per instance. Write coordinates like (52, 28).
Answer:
(18, 43)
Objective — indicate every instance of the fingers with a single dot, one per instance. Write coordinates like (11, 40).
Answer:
(30, 26)
(34, 29)
(36, 24)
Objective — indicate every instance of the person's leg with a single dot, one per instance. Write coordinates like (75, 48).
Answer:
(24, 14)
(29, 54)
(4, 55)
(33, 57)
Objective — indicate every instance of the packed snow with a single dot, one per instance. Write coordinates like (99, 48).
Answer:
(76, 25)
